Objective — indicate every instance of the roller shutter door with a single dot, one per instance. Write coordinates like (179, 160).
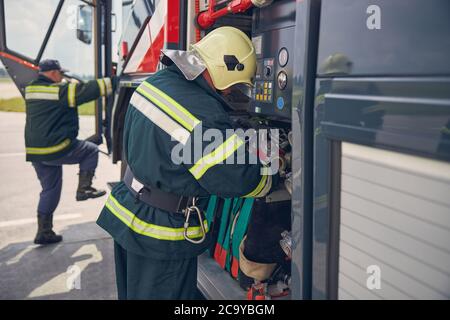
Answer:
(395, 214)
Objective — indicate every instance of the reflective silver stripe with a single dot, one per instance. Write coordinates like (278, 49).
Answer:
(169, 106)
(220, 154)
(101, 86)
(71, 93)
(148, 229)
(108, 85)
(159, 118)
(41, 96)
(45, 89)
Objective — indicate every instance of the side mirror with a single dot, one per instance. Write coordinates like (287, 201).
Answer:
(84, 23)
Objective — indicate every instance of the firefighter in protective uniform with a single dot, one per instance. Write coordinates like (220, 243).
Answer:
(155, 215)
(51, 131)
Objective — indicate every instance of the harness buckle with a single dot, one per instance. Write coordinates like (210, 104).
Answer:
(187, 212)
(138, 195)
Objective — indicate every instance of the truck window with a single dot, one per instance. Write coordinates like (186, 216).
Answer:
(134, 15)
(127, 6)
(63, 45)
(75, 55)
(22, 20)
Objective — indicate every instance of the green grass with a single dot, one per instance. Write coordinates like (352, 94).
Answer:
(87, 109)
(12, 105)
(18, 105)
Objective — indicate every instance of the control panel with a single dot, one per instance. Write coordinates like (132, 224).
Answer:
(263, 91)
(273, 36)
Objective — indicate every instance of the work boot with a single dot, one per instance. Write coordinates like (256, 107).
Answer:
(85, 189)
(45, 234)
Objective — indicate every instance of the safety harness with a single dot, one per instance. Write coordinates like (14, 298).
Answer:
(233, 226)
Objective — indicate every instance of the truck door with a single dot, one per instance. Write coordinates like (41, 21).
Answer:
(148, 26)
(31, 31)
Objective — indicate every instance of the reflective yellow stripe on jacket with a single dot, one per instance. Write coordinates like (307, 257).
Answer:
(42, 93)
(49, 150)
(148, 229)
(108, 85)
(159, 118)
(218, 156)
(164, 112)
(71, 94)
(169, 106)
(105, 86)
(101, 86)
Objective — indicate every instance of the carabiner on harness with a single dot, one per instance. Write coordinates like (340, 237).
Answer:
(188, 211)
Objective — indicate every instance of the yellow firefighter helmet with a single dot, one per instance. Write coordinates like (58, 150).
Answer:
(229, 56)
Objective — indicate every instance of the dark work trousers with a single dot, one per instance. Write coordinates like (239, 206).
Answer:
(49, 173)
(144, 278)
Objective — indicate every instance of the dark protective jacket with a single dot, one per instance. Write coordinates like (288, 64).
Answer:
(165, 112)
(52, 115)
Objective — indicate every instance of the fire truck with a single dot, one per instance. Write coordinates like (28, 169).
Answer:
(360, 90)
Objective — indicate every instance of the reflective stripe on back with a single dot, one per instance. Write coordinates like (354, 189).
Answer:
(159, 118)
(50, 89)
(147, 229)
(169, 106)
(220, 154)
(41, 96)
(48, 150)
(41, 93)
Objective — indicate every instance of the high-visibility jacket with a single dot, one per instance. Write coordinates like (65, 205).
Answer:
(164, 113)
(52, 115)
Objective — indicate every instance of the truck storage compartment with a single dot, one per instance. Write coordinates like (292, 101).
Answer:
(248, 244)
(250, 255)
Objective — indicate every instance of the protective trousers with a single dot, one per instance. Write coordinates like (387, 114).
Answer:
(144, 278)
(49, 173)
